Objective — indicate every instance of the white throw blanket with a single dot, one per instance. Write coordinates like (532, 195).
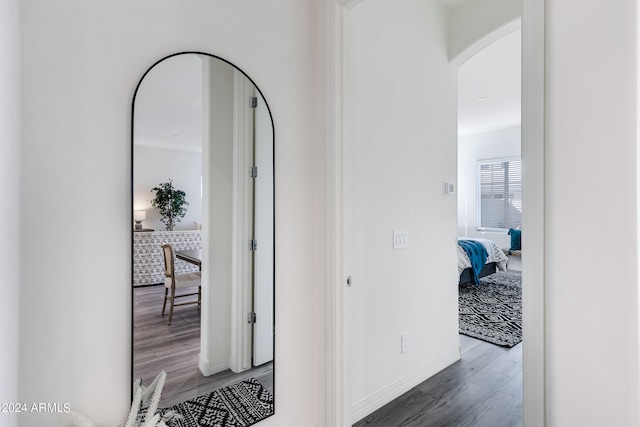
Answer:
(494, 253)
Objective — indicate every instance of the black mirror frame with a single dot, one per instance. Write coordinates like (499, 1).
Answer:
(131, 189)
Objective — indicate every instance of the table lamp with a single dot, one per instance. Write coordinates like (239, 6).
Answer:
(138, 217)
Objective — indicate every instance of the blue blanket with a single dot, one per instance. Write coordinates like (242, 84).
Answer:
(477, 255)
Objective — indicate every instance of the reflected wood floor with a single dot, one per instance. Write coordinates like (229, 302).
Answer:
(175, 348)
(484, 388)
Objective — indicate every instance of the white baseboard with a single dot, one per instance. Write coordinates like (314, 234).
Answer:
(210, 367)
(377, 400)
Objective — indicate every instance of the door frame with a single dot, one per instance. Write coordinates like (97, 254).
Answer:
(338, 215)
(263, 266)
(242, 262)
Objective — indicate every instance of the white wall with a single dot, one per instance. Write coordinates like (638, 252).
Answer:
(474, 24)
(80, 64)
(10, 202)
(472, 148)
(151, 167)
(403, 148)
(219, 208)
(168, 137)
(79, 76)
(591, 253)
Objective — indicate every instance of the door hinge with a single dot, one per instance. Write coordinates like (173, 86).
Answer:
(253, 102)
(253, 245)
(251, 318)
(253, 172)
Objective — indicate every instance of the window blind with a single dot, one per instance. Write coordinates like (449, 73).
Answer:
(499, 194)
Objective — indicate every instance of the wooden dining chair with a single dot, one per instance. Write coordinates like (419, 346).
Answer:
(173, 282)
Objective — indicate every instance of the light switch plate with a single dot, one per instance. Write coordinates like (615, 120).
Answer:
(404, 342)
(400, 239)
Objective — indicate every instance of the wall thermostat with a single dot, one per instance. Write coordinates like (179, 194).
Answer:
(449, 188)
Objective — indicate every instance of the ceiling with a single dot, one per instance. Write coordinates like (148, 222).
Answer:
(169, 101)
(453, 3)
(489, 87)
(168, 108)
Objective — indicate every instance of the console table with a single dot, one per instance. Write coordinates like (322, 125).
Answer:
(148, 260)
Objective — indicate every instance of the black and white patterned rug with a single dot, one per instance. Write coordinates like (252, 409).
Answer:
(492, 310)
(238, 405)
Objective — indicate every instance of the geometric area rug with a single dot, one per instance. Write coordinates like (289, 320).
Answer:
(492, 310)
(238, 405)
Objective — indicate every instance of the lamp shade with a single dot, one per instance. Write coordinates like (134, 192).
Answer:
(139, 215)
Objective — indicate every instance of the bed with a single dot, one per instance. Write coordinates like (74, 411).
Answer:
(496, 260)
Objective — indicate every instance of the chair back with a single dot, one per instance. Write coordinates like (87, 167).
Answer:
(169, 269)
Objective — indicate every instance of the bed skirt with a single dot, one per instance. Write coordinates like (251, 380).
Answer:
(467, 274)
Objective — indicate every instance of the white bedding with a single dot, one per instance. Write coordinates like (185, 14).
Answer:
(494, 253)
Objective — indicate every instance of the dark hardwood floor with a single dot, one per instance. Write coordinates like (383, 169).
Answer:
(484, 388)
(175, 348)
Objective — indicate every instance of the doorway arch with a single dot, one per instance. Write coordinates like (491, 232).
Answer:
(337, 406)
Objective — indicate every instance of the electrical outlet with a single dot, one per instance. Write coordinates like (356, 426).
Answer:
(404, 342)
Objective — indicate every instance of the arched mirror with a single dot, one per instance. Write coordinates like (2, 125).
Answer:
(203, 239)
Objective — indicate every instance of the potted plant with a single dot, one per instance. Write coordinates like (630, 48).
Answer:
(170, 203)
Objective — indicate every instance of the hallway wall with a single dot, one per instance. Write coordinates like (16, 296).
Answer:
(403, 95)
(9, 202)
(591, 253)
(81, 62)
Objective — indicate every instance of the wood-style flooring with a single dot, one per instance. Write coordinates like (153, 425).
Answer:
(483, 389)
(175, 348)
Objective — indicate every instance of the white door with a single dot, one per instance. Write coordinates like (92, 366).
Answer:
(263, 273)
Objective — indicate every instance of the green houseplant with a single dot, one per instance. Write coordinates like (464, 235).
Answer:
(170, 203)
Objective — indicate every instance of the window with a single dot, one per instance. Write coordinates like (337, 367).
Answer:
(499, 186)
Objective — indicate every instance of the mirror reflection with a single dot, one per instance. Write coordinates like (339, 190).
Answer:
(203, 239)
